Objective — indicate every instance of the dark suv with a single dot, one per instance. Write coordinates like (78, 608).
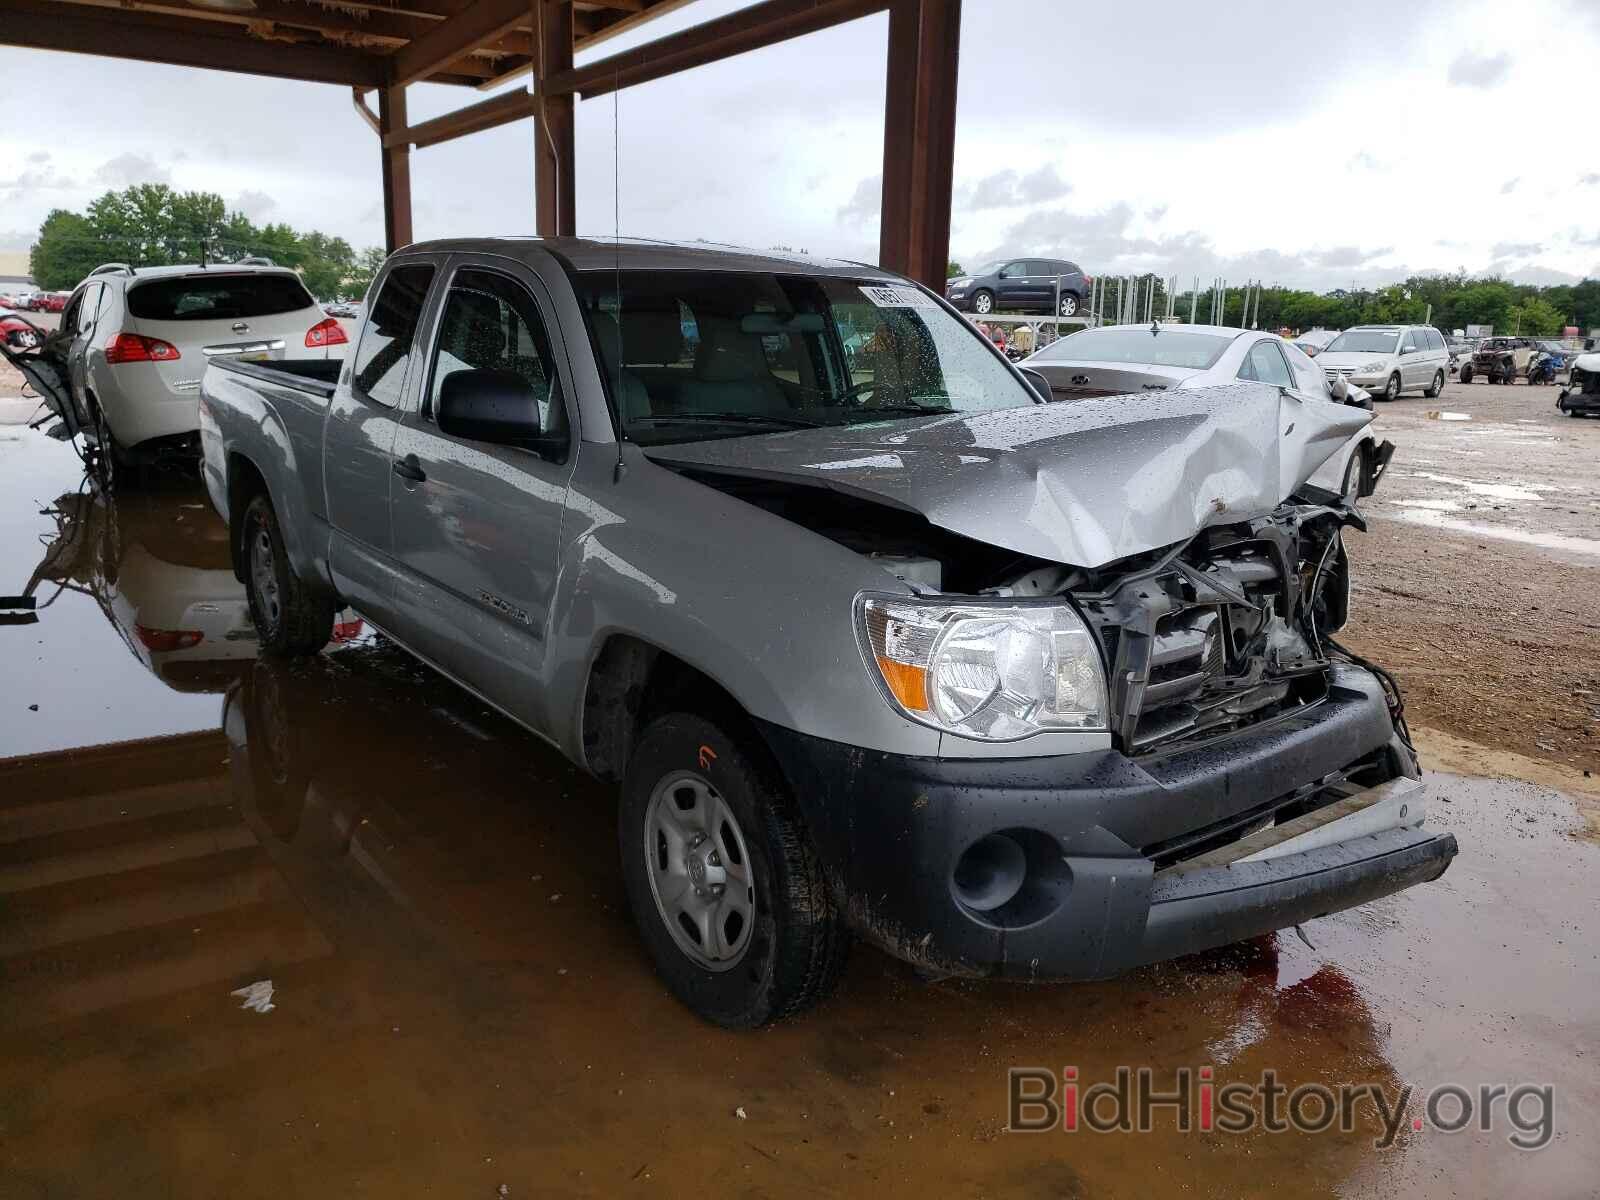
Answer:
(1019, 284)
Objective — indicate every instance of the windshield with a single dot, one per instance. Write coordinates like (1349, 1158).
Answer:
(1163, 348)
(693, 355)
(1364, 341)
(992, 268)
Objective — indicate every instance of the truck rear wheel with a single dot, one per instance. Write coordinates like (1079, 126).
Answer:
(291, 619)
(725, 886)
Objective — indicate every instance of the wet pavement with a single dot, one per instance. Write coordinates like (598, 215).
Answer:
(1495, 461)
(460, 1003)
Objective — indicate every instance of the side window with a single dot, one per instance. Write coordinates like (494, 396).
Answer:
(1307, 377)
(89, 306)
(1040, 267)
(380, 366)
(1014, 270)
(69, 314)
(1437, 339)
(1265, 364)
(491, 323)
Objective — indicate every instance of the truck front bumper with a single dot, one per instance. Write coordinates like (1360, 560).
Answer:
(912, 844)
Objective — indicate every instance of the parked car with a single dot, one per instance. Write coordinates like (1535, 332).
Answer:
(53, 302)
(1499, 360)
(890, 646)
(134, 343)
(18, 332)
(1314, 341)
(1022, 285)
(1581, 396)
(1388, 360)
(1134, 359)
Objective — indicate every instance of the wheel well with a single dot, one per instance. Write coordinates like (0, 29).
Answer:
(244, 483)
(630, 684)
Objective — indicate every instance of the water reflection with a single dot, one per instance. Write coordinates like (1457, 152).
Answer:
(157, 566)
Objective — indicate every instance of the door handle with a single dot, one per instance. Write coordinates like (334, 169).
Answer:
(408, 468)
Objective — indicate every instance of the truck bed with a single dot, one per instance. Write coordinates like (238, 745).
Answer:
(318, 376)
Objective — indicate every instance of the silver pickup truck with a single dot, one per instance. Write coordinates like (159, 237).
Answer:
(873, 638)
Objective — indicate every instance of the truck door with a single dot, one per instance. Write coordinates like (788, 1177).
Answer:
(359, 436)
(477, 524)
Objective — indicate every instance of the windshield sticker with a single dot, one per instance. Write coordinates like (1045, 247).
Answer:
(890, 296)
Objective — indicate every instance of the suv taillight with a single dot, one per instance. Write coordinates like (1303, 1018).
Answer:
(134, 347)
(325, 333)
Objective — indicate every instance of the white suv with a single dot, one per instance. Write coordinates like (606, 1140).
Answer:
(134, 342)
(1388, 359)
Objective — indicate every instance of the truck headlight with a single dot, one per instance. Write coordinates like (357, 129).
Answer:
(993, 671)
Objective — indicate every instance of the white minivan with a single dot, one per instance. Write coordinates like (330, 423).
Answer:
(1388, 359)
(134, 342)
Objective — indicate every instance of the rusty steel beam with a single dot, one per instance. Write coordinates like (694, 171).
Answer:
(554, 170)
(919, 131)
(487, 114)
(358, 98)
(455, 38)
(179, 41)
(397, 229)
(748, 29)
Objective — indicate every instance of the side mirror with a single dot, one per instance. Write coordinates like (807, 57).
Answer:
(1340, 391)
(1038, 383)
(488, 406)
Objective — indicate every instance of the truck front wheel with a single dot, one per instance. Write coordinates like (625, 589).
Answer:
(291, 619)
(725, 885)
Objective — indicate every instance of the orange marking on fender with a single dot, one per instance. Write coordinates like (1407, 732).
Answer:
(707, 757)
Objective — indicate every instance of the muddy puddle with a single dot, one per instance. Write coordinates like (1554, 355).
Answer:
(459, 1002)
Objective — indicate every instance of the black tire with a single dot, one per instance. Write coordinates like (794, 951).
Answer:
(797, 944)
(1437, 387)
(1391, 390)
(1355, 473)
(1466, 373)
(1069, 304)
(292, 620)
(983, 302)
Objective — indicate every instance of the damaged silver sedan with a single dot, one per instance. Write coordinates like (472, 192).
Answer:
(872, 638)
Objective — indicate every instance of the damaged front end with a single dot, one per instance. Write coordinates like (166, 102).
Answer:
(1225, 630)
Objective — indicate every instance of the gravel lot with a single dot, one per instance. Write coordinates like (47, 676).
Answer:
(1479, 581)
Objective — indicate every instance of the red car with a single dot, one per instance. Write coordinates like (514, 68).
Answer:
(17, 333)
(53, 301)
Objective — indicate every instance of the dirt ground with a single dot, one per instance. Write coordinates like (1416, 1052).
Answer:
(1478, 583)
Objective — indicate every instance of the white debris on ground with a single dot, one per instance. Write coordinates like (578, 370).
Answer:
(257, 996)
(1440, 415)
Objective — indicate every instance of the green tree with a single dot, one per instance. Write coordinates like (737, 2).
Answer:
(366, 267)
(952, 269)
(1534, 317)
(66, 251)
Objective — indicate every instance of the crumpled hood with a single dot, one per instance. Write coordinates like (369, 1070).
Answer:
(1084, 482)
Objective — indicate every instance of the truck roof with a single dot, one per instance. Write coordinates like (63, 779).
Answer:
(596, 254)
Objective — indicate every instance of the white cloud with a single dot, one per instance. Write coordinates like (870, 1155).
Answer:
(127, 169)
(1479, 70)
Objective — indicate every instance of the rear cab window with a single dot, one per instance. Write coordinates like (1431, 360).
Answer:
(379, 373)
(218, 297)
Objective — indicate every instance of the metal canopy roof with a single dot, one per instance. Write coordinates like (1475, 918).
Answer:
(363, 43)
(383, 46)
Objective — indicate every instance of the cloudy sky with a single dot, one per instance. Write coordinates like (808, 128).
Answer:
(1352, 142)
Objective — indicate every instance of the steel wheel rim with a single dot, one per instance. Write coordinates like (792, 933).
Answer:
(699, 869)
(1392, 392)
(1068, 306)
(982, 302)
(264, 575)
